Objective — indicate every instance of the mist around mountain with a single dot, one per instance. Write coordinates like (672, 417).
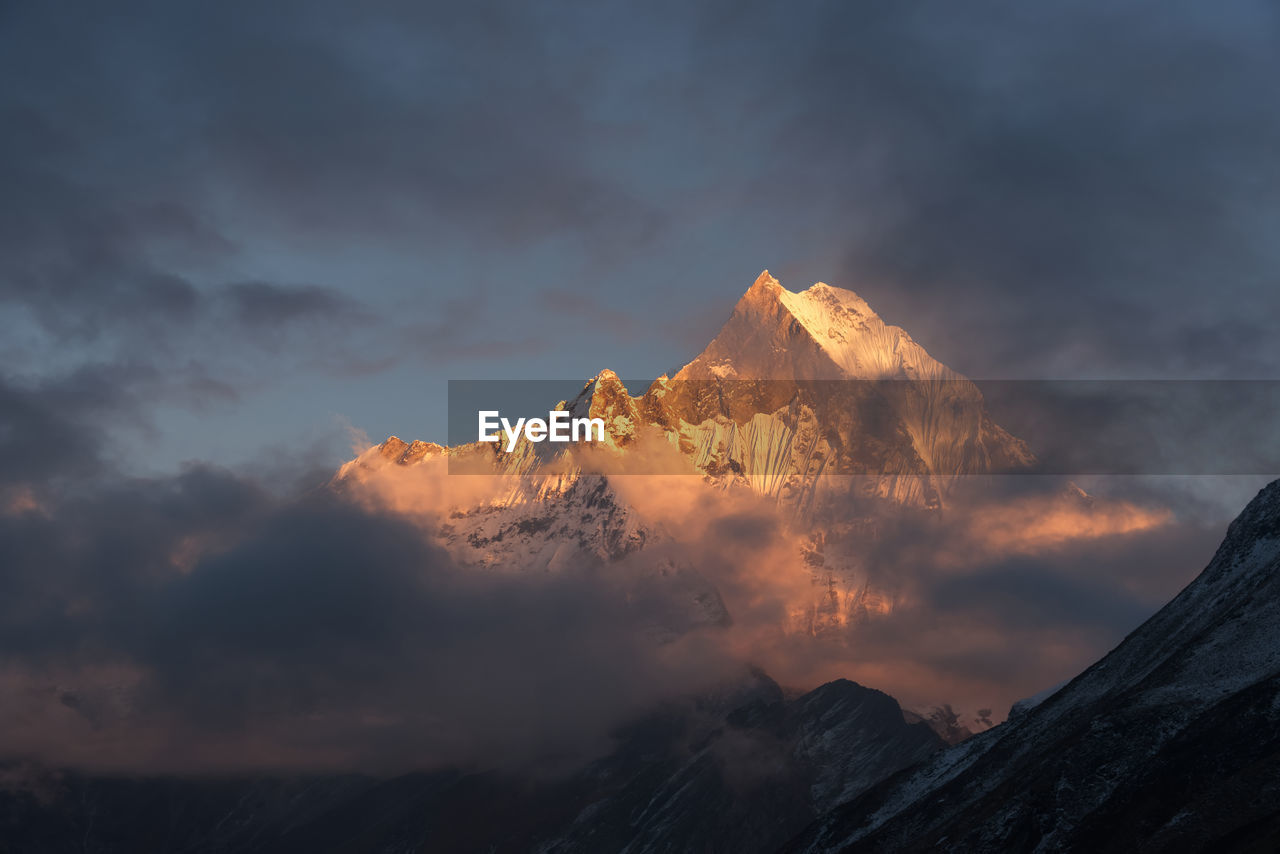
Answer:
(1166, 744)
(740, 769)
(812, 457)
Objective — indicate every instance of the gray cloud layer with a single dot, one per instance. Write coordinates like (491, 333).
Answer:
(209, 621)
(1087, 189)
(205, 207)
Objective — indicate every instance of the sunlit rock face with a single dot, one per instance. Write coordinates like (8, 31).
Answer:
(801, 385)
(807, 402)
(796, 386)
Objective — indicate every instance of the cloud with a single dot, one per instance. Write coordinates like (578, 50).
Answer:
(198, 623)
(319, 133)
(243, 197)
(210, 621)
(1091, 197)
(265, 304)
(564, 303)
(1083, 190)
(198, 204)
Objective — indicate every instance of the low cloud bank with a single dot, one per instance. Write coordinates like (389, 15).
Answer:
(204, 622)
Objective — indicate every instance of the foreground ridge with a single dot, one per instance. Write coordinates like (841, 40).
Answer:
(1169, 743)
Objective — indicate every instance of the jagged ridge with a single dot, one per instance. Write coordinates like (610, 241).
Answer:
(1170, 742)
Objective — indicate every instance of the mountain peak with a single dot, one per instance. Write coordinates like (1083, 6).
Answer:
(765, 282)
(603, 396)
(823, 303)
(822, 332)
(764, 291)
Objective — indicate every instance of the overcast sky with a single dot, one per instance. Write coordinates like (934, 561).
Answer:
(241, 224)
(231, 233)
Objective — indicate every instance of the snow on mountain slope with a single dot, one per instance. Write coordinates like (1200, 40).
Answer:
(820, 333)
(885, 407)
(856, 339)
(808, 399)
(795, 387)
(1170, 742)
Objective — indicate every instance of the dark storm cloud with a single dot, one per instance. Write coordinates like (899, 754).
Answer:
(322, 119)
(257, 633)
(84, 267)
(39, 437)
(1203, 427)
(54, 427)
(469, 117)
(81, 278)
(147, 150)
(210, 621)
(207, 620)
(1081, 188)
(265, 304)
(1029, 595)
(566, 303)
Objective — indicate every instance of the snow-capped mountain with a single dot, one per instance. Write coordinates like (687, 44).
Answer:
(808, 400)
(794, 387)
(809, 407)
(800, 385)
(1169, 743)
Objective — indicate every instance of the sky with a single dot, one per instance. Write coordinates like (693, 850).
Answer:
(237, 238)
(248, 227)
